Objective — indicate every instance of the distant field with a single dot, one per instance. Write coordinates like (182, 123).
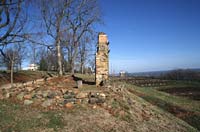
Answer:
(180, 98)
(188, 90)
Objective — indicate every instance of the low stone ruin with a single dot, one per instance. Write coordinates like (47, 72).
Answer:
(52, 94)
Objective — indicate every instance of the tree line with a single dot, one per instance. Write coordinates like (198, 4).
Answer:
(56, 34)
(182, 74)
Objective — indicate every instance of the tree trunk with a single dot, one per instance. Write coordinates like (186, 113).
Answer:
(11, 73)
(20, 66)
(82, 68)
(74, 56)
(58, 48)
(72, 67)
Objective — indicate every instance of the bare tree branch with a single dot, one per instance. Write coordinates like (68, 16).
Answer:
(11, 26)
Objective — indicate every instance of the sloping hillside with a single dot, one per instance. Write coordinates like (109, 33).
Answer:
(21, 76)
(118, 111)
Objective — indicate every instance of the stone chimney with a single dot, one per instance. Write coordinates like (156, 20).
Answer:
(102, 62)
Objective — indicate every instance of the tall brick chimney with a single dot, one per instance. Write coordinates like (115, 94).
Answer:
(102, 62)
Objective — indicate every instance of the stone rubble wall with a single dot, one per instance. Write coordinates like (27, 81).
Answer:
(49, 94)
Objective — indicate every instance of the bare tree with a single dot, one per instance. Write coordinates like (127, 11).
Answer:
(12, 22)
(36, 51)
(83, 15)
(55, 15)
(11, 57)
(86, 52)
(71, 18)
(13, 18)
(47, 60)
(83, 55)
(22, 55)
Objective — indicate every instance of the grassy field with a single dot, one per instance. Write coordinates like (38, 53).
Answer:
(180, 105)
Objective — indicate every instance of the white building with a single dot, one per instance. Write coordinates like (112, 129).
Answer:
(32, 67)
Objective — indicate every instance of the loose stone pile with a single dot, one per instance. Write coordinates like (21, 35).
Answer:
(52, 97)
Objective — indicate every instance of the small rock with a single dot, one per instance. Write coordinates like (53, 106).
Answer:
(76, 91)
(28, 102)
(69, 91)
(51, 95)
(102, 95)
(20, 96)
(96, 101)
(39, 116)
(69, 105)
(94, 107)
(92, 100)
(104, 105)
(7, 95)
(100, 100)
(68, 96)
(57, 97)
(93, 95)
(78, 101)
(38, 86)
(63, 91)
(71, 100)
(53, 88)
(122, 113)
(1, 96)
(109, 86)
(58, 93)
(39, 92)
(36, 96)
(28, 96)
(33, 94)
(47, 103)
(72, 93)
(29, 89)
(81, 95)
(130, 101)
(45, 94)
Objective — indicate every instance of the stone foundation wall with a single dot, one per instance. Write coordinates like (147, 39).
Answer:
(102, 62)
